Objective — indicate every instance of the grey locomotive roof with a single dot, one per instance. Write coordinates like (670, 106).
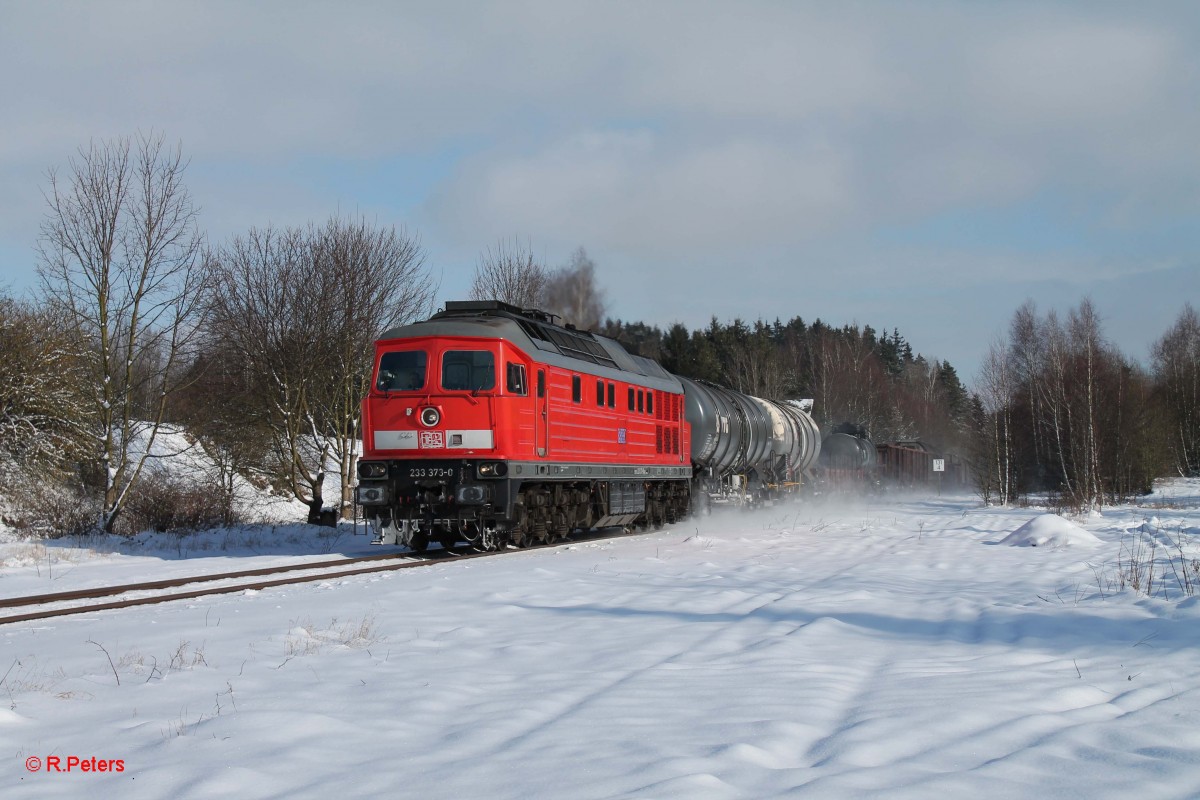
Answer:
(579, 351)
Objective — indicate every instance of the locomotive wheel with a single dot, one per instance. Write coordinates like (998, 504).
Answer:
(447, 541)
(419, 542)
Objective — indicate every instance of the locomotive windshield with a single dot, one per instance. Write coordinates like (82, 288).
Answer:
(468, 370)
(402, 371)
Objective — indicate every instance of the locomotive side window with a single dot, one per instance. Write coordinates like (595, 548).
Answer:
(402, 371)
(631, 398)
(541, 389)
(599, 393)
(516, 379)
(612, 396)
(468, 370)
(641, 402)
(649, 402)
(576, 389)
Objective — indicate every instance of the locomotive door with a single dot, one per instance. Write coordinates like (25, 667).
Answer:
(541, 423)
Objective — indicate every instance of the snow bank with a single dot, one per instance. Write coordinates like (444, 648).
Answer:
(802, 651)
(1049, 530)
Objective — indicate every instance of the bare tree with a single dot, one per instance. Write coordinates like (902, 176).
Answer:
(374, 279)
(301, 309)
(573, 295)
(119, 260)
(1091, 353)
(1080, 411)
(995, 469)
(1027, 352)
(1177, 374)
(849, 383)
(509, 273)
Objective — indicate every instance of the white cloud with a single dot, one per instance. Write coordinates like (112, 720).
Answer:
(677, 141)
(639, 191)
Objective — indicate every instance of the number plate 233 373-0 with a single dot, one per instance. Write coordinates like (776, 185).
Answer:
(431, 472)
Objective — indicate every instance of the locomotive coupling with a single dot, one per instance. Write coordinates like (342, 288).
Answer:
(372, 494)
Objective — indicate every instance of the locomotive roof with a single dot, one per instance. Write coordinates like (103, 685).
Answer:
(536, 334)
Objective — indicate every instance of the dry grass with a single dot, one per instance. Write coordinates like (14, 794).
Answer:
(1155, 562)
(306, 639)
(26, 675)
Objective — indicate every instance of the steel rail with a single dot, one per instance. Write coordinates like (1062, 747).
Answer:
(111, 591)
(215, 590)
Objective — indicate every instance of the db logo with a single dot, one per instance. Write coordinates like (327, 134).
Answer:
(430, 439)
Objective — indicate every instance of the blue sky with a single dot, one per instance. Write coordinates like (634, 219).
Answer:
(923, 165)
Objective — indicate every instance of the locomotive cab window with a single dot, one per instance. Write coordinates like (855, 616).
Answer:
(468, 370)
(516, 379)
(402, 371)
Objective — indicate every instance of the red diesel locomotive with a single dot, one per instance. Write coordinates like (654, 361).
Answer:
(490, 424)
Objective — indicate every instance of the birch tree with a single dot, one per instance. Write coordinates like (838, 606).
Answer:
(1177, 376)
(996, 386)
(1090, 357)
(119, 262)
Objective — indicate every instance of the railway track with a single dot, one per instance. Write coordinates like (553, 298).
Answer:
(48, 606)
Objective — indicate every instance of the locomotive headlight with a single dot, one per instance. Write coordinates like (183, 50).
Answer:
(430, 416)
(372, 469)
(492, 469)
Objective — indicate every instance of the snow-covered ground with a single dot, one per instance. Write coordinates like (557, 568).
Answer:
(898, 647)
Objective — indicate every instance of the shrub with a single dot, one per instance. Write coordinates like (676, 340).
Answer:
(164, 503)
(51, 510)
